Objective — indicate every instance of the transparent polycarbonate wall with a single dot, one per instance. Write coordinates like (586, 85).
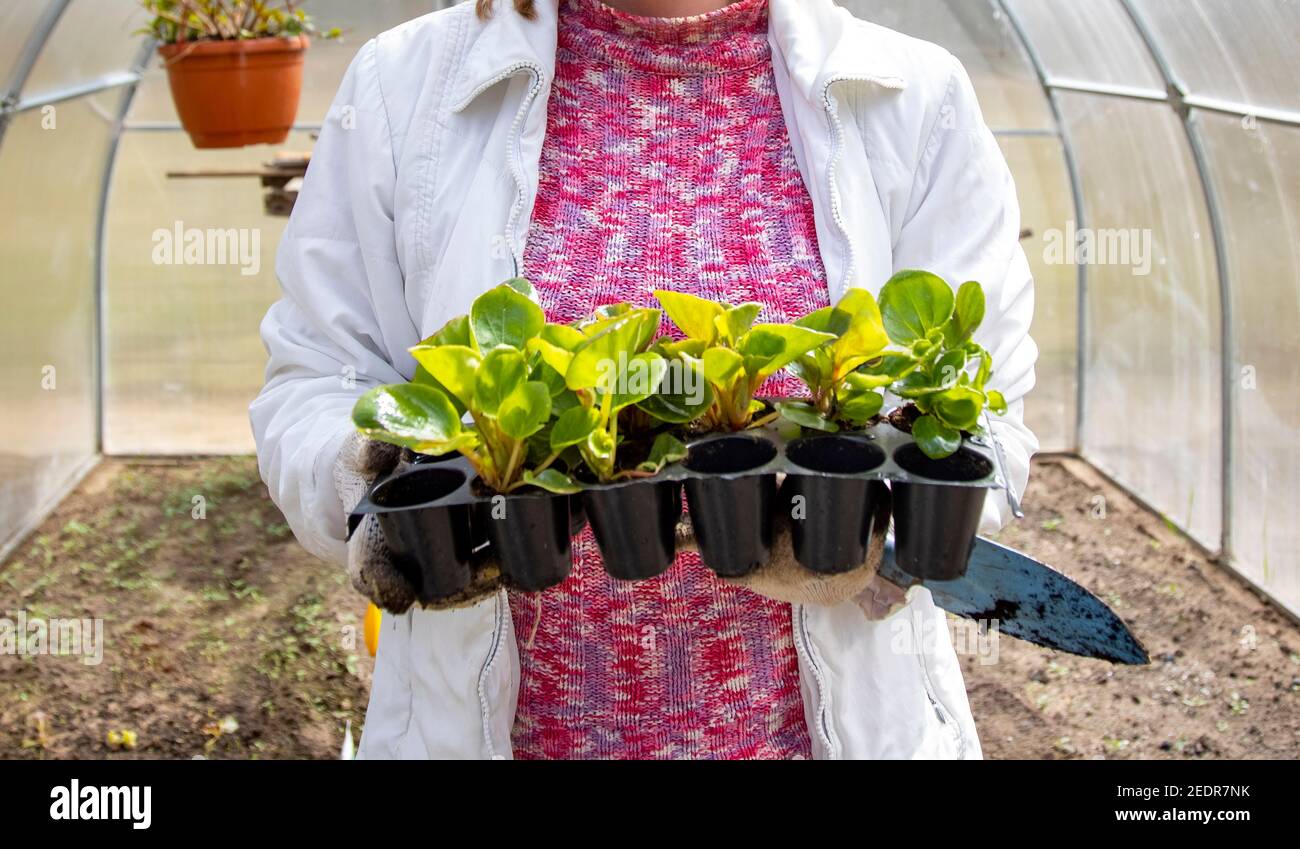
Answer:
(183, 354)
(1155, 144)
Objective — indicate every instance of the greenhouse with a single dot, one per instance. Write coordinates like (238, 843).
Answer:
(1155, 148)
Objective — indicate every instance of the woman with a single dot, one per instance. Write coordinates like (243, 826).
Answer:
(778, 151)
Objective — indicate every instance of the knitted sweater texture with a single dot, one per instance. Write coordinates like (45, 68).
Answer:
(666, 165)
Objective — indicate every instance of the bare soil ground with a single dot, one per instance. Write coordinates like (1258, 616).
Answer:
(1224, 679)
(223, 639)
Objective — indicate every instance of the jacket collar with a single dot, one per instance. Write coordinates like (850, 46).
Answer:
(818, 41)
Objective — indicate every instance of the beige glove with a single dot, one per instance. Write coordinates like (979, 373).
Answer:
(370, 566)
(783, 578)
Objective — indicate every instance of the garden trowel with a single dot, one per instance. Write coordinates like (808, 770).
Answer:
(1030, 601)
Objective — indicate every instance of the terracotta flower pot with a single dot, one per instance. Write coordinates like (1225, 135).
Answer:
(236, 93)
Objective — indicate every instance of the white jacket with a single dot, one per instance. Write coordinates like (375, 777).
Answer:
(418, 199)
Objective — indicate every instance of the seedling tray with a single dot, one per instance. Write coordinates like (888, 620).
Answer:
(888, 439)
(730, 480)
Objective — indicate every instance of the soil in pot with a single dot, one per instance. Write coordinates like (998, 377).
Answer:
(431, 544)
(935, 524)
(529, 535)
(635, 526)
(236, 93)
(831, 523)
(731, 515)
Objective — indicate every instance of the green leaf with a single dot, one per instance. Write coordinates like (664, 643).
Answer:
(859, 407)
(666, 449)
(525, 411)
(865, 337)
(934, 438)
(959, 407)
(891, 365)
(917, 385)
(670, 348)
(523, 286)
(505, 316)
(967, 316)
(455, 332)
(827, 320)
(453, 367)
(642, 323)
(861, 382)
(722, 366)
(573, 426)
(693, 316)
(948, 369)
(411, 415)
(768, 348)
(736, 321)
(997, 403)
(598, 452)
(552, 480)
(564, 336)
(637, 380)
(553, 355)
(553, 379)
(805, 415)
(684, 401)
(814, 369)
(985, 368)
(502, 372)
(913, 303)
(597, 362)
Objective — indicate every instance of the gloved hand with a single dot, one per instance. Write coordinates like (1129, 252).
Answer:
(783, 578)
(370, 565)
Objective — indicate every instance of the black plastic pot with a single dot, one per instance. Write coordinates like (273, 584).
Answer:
(431, 545)
(635, 526)
(529, 533)
(935, 524)
(831, 527)
(731, 515)
(577, 515)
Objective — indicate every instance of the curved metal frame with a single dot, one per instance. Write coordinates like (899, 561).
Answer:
(22, 68)
(1184, 105)
(12, 103)
(1177, 98)
(1080, 219)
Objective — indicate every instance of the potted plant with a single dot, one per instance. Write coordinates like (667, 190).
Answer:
(832, 511)
(431, 543)
(608, 369)
(479, 366)
(234, 66)
(942, 374)
(729, 506)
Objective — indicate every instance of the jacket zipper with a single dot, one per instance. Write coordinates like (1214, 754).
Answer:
(837, 143)
(513, 157)
(516, 252)
(946, 719)
(512, 144)
(498, 629)
(803, 644)
(832, 165)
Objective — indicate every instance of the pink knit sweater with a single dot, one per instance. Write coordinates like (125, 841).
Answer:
(666, 165)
